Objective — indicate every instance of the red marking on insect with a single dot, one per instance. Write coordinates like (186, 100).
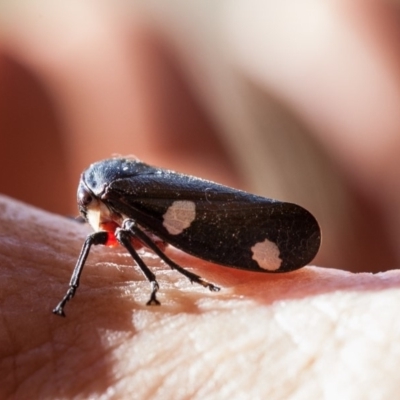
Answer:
(110, 228)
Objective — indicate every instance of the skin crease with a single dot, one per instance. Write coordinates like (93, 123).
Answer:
(314, 333)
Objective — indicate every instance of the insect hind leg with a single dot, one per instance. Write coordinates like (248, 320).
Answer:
(132, 227)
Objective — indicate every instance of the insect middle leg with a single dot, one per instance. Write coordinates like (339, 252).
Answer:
(131, 226)
(124, 236)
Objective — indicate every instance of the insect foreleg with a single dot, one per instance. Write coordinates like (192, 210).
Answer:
(96, 238)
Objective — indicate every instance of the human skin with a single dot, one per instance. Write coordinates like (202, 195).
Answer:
(312, 333)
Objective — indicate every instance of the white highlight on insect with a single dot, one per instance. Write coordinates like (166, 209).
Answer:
(266, 254)
(179, 216)
(93, 217)
(97, 213)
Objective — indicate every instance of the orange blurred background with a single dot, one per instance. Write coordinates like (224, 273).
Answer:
(299, 104)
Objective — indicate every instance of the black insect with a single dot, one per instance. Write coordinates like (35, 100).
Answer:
(130, 202)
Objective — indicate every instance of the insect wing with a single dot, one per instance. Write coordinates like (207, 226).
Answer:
(218, 223)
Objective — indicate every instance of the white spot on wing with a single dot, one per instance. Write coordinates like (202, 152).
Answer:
(266, 254)
(179, 216)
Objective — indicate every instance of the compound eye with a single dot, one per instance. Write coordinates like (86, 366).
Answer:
(84, 197)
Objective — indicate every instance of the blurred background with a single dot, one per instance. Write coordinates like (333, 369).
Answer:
(294, 100)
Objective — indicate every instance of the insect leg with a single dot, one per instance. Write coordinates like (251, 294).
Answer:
(124, 236)
(93, 239)
(131, 226)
